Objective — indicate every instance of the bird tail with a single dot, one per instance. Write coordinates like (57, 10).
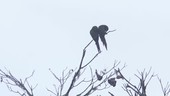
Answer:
(104, 42)
(98, 46)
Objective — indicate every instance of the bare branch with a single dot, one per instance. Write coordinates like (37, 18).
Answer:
(52, 92)
(81, 69)
(144, 78)
(90, 61)
(165, 89)
(11, 81)
(88, 45)
(111, 93)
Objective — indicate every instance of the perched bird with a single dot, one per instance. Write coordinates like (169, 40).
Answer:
(118, 75)
(102, 32)
(99, 77)
(112, 82)
(94, 32)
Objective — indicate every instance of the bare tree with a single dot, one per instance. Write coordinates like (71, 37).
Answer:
(12, 83)
(92, 84)
(165, 89)
(98, 80)
(137, 90)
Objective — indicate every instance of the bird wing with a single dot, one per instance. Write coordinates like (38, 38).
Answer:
(95, 35)
(102, 32)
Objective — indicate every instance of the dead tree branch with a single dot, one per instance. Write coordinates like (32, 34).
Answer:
(144, 79)
(166, 88)
(11, 81)
(78, 73)
(97, 85)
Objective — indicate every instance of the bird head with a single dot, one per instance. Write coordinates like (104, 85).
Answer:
(99, 77)
(104, 28)
(94, 28)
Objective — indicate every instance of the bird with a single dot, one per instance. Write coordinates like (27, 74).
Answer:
(99, 77)
(118, 74)
(94, 32)
(102, 32)
(112, 82)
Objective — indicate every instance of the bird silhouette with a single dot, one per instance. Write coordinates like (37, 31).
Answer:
(94, 32)
(102, 32)
(112, 82)
(99, 77)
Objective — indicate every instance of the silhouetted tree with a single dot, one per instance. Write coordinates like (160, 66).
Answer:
(12, 82)
(98, 79)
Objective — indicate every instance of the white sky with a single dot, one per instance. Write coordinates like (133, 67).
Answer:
(42, 34)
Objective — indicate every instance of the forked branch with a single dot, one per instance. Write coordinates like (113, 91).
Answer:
(11, 81)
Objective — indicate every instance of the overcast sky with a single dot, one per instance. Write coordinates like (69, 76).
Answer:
(42, 34)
